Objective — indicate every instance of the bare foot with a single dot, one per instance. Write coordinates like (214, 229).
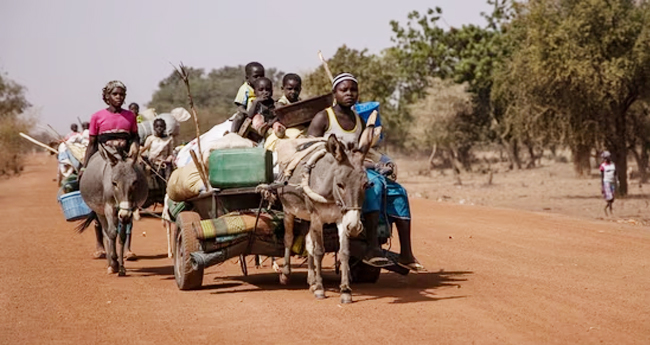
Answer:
(100, 254)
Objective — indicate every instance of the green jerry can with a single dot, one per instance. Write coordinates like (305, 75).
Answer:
(241, 167)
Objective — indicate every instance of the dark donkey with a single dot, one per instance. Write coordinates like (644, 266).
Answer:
(328, 188)
(113, 187)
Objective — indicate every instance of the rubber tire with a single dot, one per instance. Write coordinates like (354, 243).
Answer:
(362, 273)
(187, 278)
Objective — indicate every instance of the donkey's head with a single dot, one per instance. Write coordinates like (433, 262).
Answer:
(124, 181)
(349, 180)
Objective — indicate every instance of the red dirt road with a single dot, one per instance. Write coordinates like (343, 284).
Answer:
(496, 277)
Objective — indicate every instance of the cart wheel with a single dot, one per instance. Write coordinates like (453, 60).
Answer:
(187, 277)
(362, 273)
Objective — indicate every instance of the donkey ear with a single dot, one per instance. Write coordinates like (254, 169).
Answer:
(134, 152)
(365, 141)
(335, 147)
(376, 135)
(108, 157)
(372, 119)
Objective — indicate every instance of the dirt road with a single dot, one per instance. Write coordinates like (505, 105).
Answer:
(496, 276)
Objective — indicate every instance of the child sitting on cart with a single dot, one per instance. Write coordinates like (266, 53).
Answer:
(261, 113)
(291, 88)
(159, 148)
(246, 93)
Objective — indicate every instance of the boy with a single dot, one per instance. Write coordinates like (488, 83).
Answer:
(246, 94)
(261, 110)
(160, 146)
(291, 87)
(608, 180)
(135, 108)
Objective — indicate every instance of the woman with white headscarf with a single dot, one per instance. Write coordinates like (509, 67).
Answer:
(385, 199)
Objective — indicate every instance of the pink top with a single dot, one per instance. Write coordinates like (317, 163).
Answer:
(104, 121)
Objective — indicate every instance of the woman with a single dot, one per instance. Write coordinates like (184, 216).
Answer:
(113, 127)
(385, 196)
(117, 130)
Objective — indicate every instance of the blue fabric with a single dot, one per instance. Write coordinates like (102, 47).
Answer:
(387, 196)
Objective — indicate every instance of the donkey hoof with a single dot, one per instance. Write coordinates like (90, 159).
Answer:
(346, 298)
(284, 279)
(130, 256)
(319, 294)
(121, 272)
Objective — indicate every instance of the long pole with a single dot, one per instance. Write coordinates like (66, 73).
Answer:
(183, 74)
(327, 68)
(37, 142)
(198, 162)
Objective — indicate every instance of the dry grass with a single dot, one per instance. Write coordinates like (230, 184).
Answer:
(551, 187)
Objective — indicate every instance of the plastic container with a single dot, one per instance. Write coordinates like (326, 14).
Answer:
(365, 109)
(240, 167)
(74, 207)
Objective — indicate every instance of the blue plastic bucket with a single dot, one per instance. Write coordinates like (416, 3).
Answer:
(74, 207)
(365, 109)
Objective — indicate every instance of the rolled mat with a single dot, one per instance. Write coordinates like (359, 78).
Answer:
(237, 223)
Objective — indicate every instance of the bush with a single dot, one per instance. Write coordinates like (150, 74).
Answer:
(12, 146)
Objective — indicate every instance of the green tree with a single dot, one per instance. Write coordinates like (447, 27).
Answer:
(469, 54)
(579, 68)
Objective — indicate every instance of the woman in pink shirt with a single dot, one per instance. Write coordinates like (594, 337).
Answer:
(113, 126)
(116, 129)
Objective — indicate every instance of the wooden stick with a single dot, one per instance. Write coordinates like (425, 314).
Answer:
(327, 68)
(183, 74)
(202, 173)
(37, 142)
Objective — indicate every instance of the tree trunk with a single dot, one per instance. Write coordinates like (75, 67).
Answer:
(531, 153)
(465, 157)
(432, 156)
(581, 154)
(620, 160)
(512, 149)
(642, 163)
(455, 166)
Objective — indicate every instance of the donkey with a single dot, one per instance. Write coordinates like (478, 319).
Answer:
(329, 188)
(113, 187)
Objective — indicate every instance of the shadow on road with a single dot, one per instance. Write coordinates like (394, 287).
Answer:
(402, 289)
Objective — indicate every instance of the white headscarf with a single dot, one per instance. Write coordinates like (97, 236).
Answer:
(343, 77)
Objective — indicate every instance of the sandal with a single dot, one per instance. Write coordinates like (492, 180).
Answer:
(377, 261)
(413, 266)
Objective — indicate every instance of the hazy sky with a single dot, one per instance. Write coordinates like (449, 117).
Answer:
(64, 51)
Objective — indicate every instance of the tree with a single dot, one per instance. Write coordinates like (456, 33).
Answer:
(580, 67)
(12, 104)
(12, 98)
(443, 119)
(469, 54)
